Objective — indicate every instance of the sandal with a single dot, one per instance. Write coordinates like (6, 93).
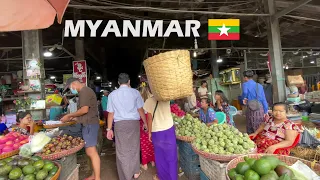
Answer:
(136, 176)
(155, 177)
(144, 167)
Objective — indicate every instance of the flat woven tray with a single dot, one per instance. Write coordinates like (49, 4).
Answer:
(218, 157)
(56, 176)
(185, 138)
(289, 160)
(9, 154)
(61, 154)
(52, 126)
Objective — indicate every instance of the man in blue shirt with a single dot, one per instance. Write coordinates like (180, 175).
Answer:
(125, 108)
(252, 91)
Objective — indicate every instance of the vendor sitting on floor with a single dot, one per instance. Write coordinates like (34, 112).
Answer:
(277, 132)
(207, 114)
(25, 124)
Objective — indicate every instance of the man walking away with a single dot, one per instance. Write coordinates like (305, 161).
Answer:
(125, 107)
(253, 96)
(87, 115)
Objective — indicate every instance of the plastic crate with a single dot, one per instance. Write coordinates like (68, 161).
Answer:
(214, 170)
(189, 158)
(203, 176)
(74, 175)
(191, 170)
(185, 147)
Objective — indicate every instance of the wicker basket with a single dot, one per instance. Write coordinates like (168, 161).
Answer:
(218, 157)
(289, 160)
(56, 176)
(53, 126)
(185, 138)
(9, 154)
(170, 75)
(61, 154)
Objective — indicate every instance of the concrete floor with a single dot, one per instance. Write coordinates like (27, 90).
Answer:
(108, 160)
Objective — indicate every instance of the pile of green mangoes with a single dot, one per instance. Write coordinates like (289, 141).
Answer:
(267, 167)
(21, 168)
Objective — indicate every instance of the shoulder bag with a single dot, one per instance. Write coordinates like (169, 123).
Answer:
(254, 105)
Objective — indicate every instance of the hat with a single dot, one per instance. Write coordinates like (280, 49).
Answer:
(69, 81)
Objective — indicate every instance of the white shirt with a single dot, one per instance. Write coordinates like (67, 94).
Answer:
(202, 91)
(124, 103)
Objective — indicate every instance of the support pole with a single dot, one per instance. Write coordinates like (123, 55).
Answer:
(274, 42)
(289, 9)
(245, 60)
(32, 50)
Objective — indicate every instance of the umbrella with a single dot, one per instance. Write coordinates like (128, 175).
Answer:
(19, 15)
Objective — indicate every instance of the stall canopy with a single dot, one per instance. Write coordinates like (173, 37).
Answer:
(18, 15)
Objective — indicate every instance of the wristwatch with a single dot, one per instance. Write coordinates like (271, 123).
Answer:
(108, 129)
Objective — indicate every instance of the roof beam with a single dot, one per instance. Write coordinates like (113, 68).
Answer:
(290, 9)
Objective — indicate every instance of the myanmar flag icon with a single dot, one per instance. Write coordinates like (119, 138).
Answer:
(223, 29)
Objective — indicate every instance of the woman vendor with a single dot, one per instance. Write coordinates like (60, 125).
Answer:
(25, 124)
(222, 105)
(207, 114)
(276, 132)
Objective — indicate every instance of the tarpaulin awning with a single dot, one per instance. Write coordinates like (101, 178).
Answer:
(18, 15)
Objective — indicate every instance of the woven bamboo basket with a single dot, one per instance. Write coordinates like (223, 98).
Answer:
(56, 176)
(218, 157)
(61, 154)
(53, 126)
(289, 160)
(9, 154)
(185, 138)
(170, 75)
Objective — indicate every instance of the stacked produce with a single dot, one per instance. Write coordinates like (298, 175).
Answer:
(265, 168)
(189, 126)
(314, 132)
(175, 109)
(33, 168)
(12, 141)
(61, 143)
(223, 139)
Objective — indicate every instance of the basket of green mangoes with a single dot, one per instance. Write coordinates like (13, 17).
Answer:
(33, 168)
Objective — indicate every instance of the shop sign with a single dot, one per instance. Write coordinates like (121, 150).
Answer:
(66, 77)
(80, 71)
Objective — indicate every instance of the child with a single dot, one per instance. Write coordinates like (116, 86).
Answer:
(25, 124)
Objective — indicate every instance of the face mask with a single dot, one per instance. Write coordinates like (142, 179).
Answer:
(74, 91)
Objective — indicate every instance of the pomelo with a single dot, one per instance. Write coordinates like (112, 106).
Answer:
(262, 166)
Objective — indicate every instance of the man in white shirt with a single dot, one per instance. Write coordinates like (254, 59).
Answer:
(125, 107)
(202, 90)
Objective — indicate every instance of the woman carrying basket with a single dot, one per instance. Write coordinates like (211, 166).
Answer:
(162, 134)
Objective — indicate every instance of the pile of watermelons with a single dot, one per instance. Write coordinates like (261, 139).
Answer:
(21, 168)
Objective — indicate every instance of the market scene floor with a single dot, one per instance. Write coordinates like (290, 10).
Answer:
(108, 160)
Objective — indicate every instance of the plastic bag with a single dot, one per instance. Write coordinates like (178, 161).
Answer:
(39, 141)
(25, 150)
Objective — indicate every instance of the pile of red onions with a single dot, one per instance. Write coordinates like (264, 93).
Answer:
(175, 109)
